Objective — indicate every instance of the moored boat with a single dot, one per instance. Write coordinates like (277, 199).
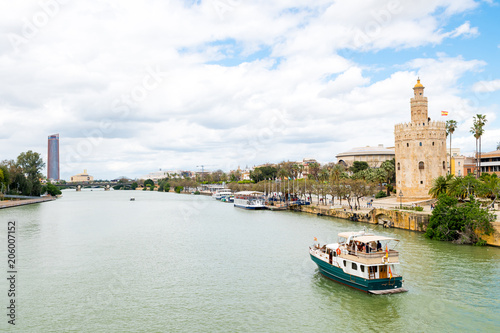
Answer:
(221, 193)
(249, 200)
(362, 261)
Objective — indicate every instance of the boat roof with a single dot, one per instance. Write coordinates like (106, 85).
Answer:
(249, 192)
(373, 238)
(348, 234)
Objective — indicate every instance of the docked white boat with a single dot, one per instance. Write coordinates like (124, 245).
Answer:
(362, 261)
(249, 200)
(222, 193)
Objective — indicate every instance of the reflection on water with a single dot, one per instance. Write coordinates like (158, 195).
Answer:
(96, 261)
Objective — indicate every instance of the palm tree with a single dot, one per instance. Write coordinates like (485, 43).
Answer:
(478, 130)
(498, 145)
(464, 187)
(314, 170)
(441, 185)
(491, 186)
(389, 167)
(451, 126)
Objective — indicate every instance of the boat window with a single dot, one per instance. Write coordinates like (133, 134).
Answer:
(362, 268)
(354, 266)
(345, 264)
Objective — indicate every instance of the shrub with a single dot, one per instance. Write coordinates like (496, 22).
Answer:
(380, 194)
(197, 192)
(460, 223)
(178, 189)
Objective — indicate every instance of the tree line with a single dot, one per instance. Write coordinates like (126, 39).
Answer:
(333, 180)
(22, 176)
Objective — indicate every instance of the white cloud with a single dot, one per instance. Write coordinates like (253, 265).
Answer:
(136, 86)
(486, 86)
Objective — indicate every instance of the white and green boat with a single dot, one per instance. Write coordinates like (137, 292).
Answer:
(362, 261)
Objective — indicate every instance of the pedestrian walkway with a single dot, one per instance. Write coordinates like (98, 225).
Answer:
(15, 203)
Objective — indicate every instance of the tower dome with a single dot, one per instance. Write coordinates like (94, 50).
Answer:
(418, 85)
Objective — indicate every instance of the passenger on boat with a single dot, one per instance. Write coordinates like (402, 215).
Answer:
(379, 246)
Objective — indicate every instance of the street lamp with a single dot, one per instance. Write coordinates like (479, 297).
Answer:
(400, 199)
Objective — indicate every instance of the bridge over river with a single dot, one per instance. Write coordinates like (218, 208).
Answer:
(80, 185)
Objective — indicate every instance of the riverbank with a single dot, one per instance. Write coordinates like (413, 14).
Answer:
(16, 203)
(386, 212)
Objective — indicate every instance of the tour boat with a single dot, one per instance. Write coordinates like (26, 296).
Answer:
(132, 199)
(221, 193)
(362, 261)
(249, 200)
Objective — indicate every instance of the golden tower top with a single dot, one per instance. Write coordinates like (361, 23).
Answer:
(418, 85)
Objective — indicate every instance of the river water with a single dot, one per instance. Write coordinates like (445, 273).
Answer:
(94, 261)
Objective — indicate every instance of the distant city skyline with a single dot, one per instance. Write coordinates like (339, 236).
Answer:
(138, 86)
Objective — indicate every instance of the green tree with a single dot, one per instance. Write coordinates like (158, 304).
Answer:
(358, 166)
(477, 130)
(441, 185)
(464, 187)
(459, 223)
(313, 170)
(389, 166)
(491, 186)
(451, 126)
(31, 164)
(149, 182)
(134, 185)
(51, 189)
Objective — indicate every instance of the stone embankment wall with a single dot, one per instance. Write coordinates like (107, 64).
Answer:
(15, 203)
(409, 220)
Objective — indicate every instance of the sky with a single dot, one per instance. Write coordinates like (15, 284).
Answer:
(137, 86)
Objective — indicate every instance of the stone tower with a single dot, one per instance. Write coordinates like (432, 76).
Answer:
(420, 148)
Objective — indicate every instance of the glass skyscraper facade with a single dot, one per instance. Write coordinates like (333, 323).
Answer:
(53, 158)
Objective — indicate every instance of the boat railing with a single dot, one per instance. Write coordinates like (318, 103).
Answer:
(372, 257)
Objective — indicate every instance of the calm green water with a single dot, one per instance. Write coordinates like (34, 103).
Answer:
(94, 261)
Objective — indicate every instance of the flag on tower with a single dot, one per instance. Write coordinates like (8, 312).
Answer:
(444, 113)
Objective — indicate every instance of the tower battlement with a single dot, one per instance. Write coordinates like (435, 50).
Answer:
(435, 124)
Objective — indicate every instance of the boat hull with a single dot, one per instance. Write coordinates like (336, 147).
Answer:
(249, 207)
(375, 286)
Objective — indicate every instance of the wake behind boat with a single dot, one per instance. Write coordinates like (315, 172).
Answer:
(249, 200)
(359, 261)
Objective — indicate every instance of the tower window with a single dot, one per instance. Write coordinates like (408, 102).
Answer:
(433, 143)
(421, 165)
(407, 144)
(444, 165)
(421, 182)
(399, 166)
(420, 144)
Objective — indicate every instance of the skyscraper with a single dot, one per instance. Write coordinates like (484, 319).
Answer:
(53, 158)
